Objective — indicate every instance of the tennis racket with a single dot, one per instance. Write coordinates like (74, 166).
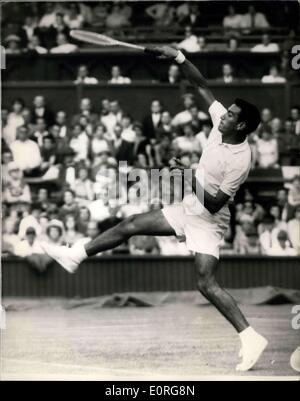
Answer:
(103, 40)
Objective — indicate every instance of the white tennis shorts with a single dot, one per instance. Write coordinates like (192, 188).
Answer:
(203, 232)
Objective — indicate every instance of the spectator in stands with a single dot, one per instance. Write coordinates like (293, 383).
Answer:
(6, 159)
(70, 230)
(274, 77)
(9, 236)
(228, 74)
(99, 209)
(84, 217)
(278, 222)
(254, 20)
(69, 206)
(202, 45)
(113, 118)
(203, 135)
(26, 153)
(40, 131)
(98, 143)
(117, 77)
(92, 231)
(16, 190)
(13, 121)
(165, 126)
(85, 109)
(197, 117)
(99, 15)
(140, 149)
(43, 201)
(83, 76)
(29, 218)
(233, 45)
(152, 121)
(282, 202)
(12, 44)
(190, 42)
(295, 117)
(174, 76)
(73, 18)
(232, 20)
(294, 192)
(142, 245)
(293, 228)
(187, 143)
(289, 144)
(281, 247)
(161, 13)
(190, 16)
(48, 18)
(28, 246)
(58, 27)
(248, 243)
(61, 122)
(266, 46)
(55, 232)
(83, 187)
(40, 109)
(48, 153)
(29, 29)
(63, 45)
(34, 44)
(267, 150)
(128, 137)
(116, 19)
(79, 143)
(267, 233)
(184, 116)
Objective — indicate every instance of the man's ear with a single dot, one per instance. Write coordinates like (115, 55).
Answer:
(241, 126)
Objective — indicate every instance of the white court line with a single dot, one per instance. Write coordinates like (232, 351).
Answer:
(113, 374)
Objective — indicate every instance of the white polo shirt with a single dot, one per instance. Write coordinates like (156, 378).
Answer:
(222, 166)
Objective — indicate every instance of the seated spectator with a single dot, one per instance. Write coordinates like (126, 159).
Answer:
(48, 153)
(142, 150)
(6, 160)
(41, 110)
(63, 45)
(29, 245)
(164, 151)
(100, 209)
(113, 117)
(267, 150)
(273, 77)
(14, 120)
(73, 18)
(99, 15)
(289, 144)
(187, 143)
(142, 245)
(55, 232)
(190, 14)
(266, 119)
(267, 233)
(26, 153)
(9, 237)
(266, 46)
(83, 76)
(232, 20)
(174, 76)
(197, 117)
(70, 205)
(241, 240)
(203, 135)
(83, 187)
(61, 122)
(34, 44)
(282, 202)
(294, 192)
(281, 247)
(278, 222)
(29, 29)
(128, 138)
(117, 77)
(79, 143)
(12, 44)
(254, 19)
(250, 245)
(152, 121)
(71, 233)
(85, 109)
(40, 131)
(116, 19)
(161, 13)
(99, 144)
(30, 218)
(43, 201)
(190, 42)
(295, 117)
(184, 116)
(48, 18)
(57, 28)
(92, 232)
(16, 190)
(233, 45)
(202, 45)
(228, 74)
(83, 219)
(293, 229)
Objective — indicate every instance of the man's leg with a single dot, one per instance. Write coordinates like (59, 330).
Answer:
(253, 343)
(150, 223)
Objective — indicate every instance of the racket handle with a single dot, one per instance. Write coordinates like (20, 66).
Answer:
(152, 51)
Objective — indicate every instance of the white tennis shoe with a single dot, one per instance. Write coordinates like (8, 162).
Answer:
(62, 255)
(251, 352)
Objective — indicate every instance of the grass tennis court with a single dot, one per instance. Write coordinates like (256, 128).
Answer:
(46, 341)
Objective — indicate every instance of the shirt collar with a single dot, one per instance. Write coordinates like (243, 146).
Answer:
(235, 148)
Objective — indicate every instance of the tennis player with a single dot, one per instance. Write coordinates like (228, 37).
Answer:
(203, 216)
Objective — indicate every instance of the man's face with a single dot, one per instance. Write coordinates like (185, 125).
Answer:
(295, 114)
(22, 134)
(229, 120)
(85, 104)
(82, 72)
(155, 107)
(39, 101)
(188, 102)
(227, 70)
(266, 115)
(166, 118)
(41, 125)
(114, 106)
(61, 117)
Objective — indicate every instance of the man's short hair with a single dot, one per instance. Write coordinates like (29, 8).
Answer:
(249, 114)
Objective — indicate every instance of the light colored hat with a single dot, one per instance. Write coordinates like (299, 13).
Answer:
(12, 38)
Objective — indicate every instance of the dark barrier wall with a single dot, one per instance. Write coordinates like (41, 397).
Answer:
(107, 275)
(138, 97)
(51, 67)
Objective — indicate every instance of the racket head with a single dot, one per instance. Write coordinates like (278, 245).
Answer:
(93, 38)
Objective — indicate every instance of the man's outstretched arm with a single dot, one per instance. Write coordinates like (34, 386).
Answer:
(191, 72)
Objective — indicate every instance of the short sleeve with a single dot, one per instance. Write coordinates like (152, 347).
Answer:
(235, 176)
(216, 110)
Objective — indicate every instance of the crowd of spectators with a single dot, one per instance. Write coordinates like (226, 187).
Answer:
(58, 171)
(45, 27)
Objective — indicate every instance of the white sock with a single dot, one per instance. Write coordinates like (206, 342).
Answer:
(79, 253)
(247, 335)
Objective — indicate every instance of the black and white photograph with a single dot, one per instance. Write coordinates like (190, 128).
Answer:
(150, 171)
